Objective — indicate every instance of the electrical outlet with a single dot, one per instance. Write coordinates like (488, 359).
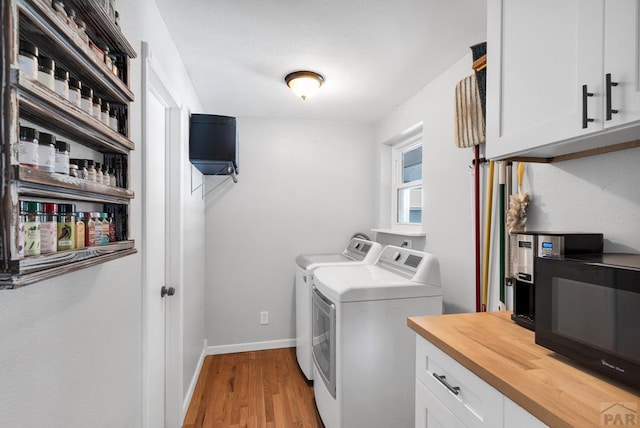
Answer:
(264, 317)
(407, 243)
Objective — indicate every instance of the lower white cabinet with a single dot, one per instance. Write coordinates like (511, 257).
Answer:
(449, 395)
(430, 412)
(516, 416)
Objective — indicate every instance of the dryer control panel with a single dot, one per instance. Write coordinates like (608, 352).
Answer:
(401, 258)
(415, 265)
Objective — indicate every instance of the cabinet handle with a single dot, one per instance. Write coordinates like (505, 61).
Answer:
(443, 380)
(609, 84)
(585, 116)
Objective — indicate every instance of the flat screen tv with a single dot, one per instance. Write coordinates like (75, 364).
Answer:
(213, 144)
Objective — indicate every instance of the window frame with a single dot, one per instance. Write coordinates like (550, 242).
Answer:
(408, 143)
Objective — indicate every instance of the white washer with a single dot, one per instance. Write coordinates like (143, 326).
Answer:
(363, 351)
(358, 251)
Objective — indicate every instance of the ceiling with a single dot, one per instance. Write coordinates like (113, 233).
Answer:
(373, 54)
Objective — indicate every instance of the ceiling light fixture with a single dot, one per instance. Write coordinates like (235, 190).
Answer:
(304, 83)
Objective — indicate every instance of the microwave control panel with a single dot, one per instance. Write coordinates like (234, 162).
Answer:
(550, 247)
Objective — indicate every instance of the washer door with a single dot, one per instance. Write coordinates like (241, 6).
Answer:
(324, 339)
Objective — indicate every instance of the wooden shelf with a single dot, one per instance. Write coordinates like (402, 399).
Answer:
(102, 26)
(25, 98)
(38, 268)
(40, 105)
(39, 183)
(53, 36)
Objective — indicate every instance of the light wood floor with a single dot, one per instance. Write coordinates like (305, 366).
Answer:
(252, 389)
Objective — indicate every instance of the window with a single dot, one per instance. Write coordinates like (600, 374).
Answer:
(407, 182)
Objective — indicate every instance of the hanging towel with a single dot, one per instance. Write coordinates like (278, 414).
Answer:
(468, 118)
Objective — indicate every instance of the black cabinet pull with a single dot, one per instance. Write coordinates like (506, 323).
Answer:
(609, 84)
(443, 380)
(585, 116)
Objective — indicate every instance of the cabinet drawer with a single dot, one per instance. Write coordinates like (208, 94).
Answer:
(472, 400)
(431, 413)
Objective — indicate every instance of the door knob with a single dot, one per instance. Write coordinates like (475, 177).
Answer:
(164, 291)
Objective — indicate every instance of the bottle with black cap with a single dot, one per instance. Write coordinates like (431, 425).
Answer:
(47, 152)
(28, 58)
(62, 157)
(62, 82)
(45, 71)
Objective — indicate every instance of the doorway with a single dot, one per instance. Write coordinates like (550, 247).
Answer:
(162, 299)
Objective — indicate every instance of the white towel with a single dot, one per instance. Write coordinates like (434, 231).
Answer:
(468, 121)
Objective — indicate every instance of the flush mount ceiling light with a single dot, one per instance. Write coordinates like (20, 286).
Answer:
(304, 83)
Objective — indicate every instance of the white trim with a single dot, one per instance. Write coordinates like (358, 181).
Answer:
(399, 232)
(194, 381)
(251, 346)
(406, 144)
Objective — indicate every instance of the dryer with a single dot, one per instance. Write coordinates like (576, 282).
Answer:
(364, 353)
(358, 252)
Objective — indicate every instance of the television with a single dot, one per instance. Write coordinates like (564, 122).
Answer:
(213, 144)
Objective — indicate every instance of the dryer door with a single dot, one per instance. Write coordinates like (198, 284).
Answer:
(324, 339)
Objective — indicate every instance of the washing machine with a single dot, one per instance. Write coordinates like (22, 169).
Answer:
(363, 351)
(358, 251)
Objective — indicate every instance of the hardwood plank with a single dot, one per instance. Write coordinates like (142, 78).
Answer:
(260, 389)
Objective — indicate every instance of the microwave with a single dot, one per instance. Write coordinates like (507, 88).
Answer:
(588, 309)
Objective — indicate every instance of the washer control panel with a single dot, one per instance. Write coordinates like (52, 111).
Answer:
(358, 249)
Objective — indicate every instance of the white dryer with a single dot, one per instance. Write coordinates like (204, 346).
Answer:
(358, 251)
(364, 353)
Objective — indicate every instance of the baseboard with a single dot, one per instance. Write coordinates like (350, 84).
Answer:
(194, 380)
(252, 346)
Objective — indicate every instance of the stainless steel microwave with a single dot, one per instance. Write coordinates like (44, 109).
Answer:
(588, 309)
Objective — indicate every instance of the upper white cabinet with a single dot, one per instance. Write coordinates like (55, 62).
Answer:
(563, 76)
(621, 61)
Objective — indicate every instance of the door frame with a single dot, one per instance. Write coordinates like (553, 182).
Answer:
(155, 81)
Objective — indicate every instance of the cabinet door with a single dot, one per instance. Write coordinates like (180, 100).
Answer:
(431, 413)
(540, 54)
(516, 416)
(621, 60)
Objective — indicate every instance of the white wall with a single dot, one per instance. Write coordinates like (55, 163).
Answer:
(594, 194)
(304, 187)
(70, 347)
(448, 191)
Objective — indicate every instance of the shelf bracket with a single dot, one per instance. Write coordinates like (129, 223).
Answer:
(229, 169)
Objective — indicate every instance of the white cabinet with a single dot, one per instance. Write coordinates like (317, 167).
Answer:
(471, 400)
(449, 395)
(621, 60)
(516, 416)
(548, 60)
(430, 412)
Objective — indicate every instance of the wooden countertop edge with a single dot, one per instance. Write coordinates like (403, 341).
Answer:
(552, 413)
(505, 388)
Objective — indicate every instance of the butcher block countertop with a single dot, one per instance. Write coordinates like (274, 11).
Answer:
(503, 354)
